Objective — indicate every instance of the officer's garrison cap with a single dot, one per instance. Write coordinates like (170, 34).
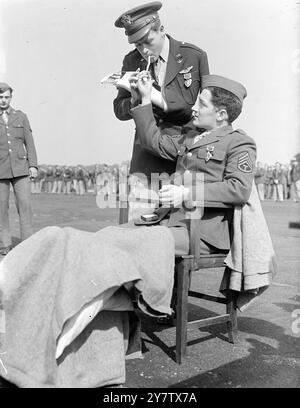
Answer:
(4, 87)
(139, 20)
(225, 83)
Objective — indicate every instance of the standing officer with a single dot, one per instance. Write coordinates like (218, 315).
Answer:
(177, 68)
(18, 161)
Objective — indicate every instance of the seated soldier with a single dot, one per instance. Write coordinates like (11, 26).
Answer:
(69, 269)
(225, 158)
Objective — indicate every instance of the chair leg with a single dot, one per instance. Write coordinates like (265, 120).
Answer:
(181, 310)
(231, 309)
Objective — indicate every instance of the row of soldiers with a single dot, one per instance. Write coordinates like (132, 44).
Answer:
(278, 182)
(80, 180)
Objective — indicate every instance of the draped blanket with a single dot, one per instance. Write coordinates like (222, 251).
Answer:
(251, 261)
(54, 275)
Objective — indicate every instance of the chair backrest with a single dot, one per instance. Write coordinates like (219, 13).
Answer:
(123, 213)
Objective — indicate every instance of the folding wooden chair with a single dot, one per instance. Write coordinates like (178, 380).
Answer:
(185, 266)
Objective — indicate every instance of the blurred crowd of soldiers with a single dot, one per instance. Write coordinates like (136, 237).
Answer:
(80, 180)
(278, 182)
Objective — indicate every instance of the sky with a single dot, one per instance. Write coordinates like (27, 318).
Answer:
(55, 52)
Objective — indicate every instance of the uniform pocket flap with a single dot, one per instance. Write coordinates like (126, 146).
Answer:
(17, 125)
(22, 155)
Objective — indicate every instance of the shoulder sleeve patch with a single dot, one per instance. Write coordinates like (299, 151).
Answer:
(244, 163)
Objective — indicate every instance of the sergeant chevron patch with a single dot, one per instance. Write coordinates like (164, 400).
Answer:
(245, 163)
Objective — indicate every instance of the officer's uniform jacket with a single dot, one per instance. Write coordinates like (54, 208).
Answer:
(226, 157)
(185, 67)
(17, 150)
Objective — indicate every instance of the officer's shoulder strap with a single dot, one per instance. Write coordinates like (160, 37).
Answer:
(241, 131)
(184, 44)
(19, 111)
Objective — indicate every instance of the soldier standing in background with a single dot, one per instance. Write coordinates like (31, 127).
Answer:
(58, 180)
(269, 182)
(259, 178)
(18, 165)
(68, 174)
(295, 181)
(49, 179)
(278, 181)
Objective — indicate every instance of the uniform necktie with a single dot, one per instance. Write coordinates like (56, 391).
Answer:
(154, 74)
(4, 116)
(152, 71)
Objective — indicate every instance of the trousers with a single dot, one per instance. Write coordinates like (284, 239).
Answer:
(21, 188)
(181, 239)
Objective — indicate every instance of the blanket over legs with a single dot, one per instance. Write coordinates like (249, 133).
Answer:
(50, 277)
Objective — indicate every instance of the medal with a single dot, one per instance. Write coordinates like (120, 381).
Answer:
(188, 83)
(179, 58)
(209, 150)
(187, 76)
(186, 70)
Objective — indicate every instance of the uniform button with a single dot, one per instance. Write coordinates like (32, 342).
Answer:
(9, 141)
(187, 172)
(8, 134)
(9, 150)
(189, 154)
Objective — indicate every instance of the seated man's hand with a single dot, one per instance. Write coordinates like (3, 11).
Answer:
(135, 95)
(33, 172)
(172, 195)
(144, 85)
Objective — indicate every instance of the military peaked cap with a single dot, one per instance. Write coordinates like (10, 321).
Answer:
(139, 20)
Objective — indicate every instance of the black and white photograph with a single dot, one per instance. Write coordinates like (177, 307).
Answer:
(149, 197)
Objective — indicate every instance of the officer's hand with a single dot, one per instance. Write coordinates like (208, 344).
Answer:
(171, 195)
(33, 173)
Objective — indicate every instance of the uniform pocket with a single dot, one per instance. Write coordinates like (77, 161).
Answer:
(17, 130)
(189, 84)
(218, 155)
(22, 155)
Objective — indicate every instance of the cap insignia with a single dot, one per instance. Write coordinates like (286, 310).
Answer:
(126, 20)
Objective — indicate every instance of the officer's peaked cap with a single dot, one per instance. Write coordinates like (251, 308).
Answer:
(225, 83)
(138, 21)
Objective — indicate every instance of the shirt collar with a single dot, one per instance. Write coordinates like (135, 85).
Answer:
(220, 131)
(8, 110)
(164, 54)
